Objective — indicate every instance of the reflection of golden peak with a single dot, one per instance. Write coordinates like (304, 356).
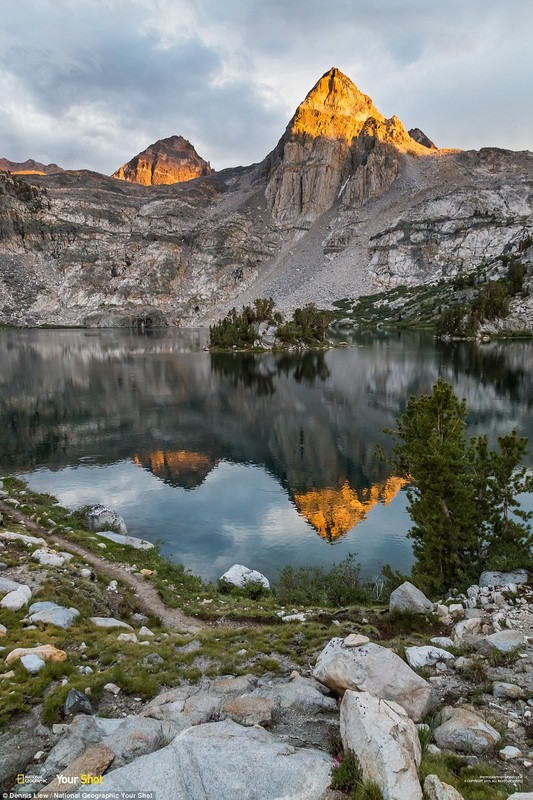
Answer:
(333, 512)
(181, 467)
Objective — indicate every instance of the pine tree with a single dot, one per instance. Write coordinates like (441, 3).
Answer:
(461, 494)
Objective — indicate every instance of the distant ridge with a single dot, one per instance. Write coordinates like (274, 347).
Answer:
(172, 160)
(29, 167)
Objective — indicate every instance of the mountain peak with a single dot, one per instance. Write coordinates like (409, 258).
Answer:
(170, 160)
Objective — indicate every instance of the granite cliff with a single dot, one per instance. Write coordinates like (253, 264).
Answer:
(171, 160)
(347, 203)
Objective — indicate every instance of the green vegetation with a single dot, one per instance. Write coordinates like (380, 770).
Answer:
(239, 329)
(463, 496)
(340, 586)
(472, 782)
(346, 777)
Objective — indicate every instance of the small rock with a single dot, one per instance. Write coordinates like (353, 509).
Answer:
(113, 688)
(356, 640)
(127, 637)
(85, 572)
(128, 541)
(442, 641)
(32, 663)
(249, 710)
(465, 731)
(152, 659)
(147, 572)
(435, 789)
(110, 622)
(77, 703)
(509, 752)
(144, 632)
(48, 558)
(505, 641)
(6, 675)
(56, 615)
(112, 586)
(507, 691)
(3, 630)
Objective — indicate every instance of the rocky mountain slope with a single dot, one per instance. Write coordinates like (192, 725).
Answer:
(171, 160)
(347, 203)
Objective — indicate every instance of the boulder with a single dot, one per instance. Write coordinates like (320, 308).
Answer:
(238, 575)
(59, 615)
(77, 703)
(45, 651)
(507, 691)
(230, 761)
(466, 629)
(110, 622)
(426, 656)
(7, 585)
(16, 600)
(137, 736)
(509, 752)
(129, 541)
(465, 731)
(385, 742)
(435, 789)
(32, 663)
(374, 669)
(442, 641)
(8, 536)
(48, 558)
(101, 518)
(505, 641)
(503, 578)
(408, 598)
(356, 640)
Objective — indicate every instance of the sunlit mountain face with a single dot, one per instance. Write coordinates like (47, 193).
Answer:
(335, 512)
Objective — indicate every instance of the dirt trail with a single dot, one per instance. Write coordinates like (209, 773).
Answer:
(147, 596)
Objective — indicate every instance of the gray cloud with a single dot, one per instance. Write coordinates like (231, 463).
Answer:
(89, 83)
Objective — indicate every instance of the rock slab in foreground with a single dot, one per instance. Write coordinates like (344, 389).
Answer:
(385, 742)
(224, 761)
(129, 541)
(374, 669)
(239, 575)
(408, 598)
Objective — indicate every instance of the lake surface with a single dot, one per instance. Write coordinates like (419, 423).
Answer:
(264, 460)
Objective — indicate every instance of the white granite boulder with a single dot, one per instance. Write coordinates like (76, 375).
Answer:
(465, 731)
(518, 577)
(32, 663)
(239, 575)
(408, 598)
(224, 761)
(101, 518)
(110, 622)
(374, 669)
(56, 615)
(16, 600)
(385, 743)
(48, 558)
(426, 656)
(505, 641)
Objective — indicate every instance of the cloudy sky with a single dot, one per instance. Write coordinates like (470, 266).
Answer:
(90, 83)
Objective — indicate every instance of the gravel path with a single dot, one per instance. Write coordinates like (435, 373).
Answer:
(147, 596)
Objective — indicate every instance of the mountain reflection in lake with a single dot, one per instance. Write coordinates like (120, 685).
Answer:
(260, 459)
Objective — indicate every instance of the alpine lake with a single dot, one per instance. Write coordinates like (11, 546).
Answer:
(261, 459)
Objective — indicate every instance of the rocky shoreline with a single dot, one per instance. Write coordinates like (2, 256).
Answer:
(427, 696)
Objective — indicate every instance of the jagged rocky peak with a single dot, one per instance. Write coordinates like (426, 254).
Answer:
(337, 147)
(420, 137)
(334, 107)
(171, 160)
